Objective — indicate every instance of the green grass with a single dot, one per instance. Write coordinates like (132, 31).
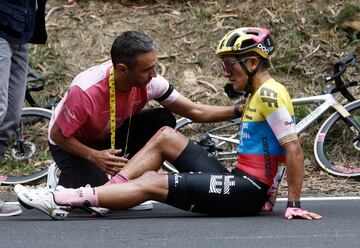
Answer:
(349, 12)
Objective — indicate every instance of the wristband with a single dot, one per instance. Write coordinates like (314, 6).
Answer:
(293, 204)
(237, 112)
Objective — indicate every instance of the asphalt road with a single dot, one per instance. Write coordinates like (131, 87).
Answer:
(165, 226)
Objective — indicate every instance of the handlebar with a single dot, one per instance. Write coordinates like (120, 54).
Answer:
(35, 81)
(341, 66)
(339, 69)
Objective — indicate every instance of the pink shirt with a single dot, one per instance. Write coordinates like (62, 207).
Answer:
(84, 111)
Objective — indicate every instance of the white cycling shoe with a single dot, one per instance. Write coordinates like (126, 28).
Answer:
(94, 211)
(52, 183)
(53, 176)
(102, 212)
(41, 199)
(143, 206)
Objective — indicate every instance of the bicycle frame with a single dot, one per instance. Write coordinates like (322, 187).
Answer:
(326, 101)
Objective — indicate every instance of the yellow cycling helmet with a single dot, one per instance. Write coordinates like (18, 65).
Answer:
(247, 39)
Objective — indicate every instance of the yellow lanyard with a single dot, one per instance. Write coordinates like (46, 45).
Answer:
(113, 113)
(112, 107)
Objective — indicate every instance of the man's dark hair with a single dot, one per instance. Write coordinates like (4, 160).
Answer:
(128, 46)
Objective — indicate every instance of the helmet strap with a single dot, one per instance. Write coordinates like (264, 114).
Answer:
(249, 85)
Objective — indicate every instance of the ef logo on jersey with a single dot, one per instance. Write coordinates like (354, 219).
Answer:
(220, 184)
(269, 96)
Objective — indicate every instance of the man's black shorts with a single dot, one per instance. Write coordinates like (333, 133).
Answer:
(205, 186)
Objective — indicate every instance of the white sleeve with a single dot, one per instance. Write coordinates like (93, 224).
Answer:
(283, 125)
(160, 89)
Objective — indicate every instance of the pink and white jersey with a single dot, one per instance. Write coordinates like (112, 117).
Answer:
(84, 111)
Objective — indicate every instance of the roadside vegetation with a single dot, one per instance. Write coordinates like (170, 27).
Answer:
(310, 36)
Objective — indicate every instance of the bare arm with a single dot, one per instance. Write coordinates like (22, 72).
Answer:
(295, 176)
(295, 169)
(201, 112)
(105, 159)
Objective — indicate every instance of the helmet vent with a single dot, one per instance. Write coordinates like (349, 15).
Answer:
(253, 33)
(247, 43)
(232, 40)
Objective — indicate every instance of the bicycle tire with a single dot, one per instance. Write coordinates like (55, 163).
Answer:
(34, 164)
(334, 148)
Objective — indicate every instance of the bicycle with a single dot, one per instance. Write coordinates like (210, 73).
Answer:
(336, 145)
(29, 157)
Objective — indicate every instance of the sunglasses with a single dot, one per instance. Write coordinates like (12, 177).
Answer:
(228, 65)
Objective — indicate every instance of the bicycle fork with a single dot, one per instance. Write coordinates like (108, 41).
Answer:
(22, 149)
(19, 143)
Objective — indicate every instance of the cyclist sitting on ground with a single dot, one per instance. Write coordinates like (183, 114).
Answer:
(80, 127)
(267, 137)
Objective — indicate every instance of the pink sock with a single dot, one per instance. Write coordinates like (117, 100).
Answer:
(83, 196)
(118, 178)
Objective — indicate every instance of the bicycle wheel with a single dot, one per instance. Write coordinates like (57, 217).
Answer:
(29, 157)
(219, 139)
(337, 145)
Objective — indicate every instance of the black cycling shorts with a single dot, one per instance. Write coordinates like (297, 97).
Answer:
(205, 186)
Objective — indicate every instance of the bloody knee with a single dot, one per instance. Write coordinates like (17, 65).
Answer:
(167, 135)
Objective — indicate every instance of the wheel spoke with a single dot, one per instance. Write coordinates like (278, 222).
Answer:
(29, 156)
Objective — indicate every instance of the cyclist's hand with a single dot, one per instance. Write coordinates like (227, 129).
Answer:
(298, 213)
(108, 161)
(268, 207)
